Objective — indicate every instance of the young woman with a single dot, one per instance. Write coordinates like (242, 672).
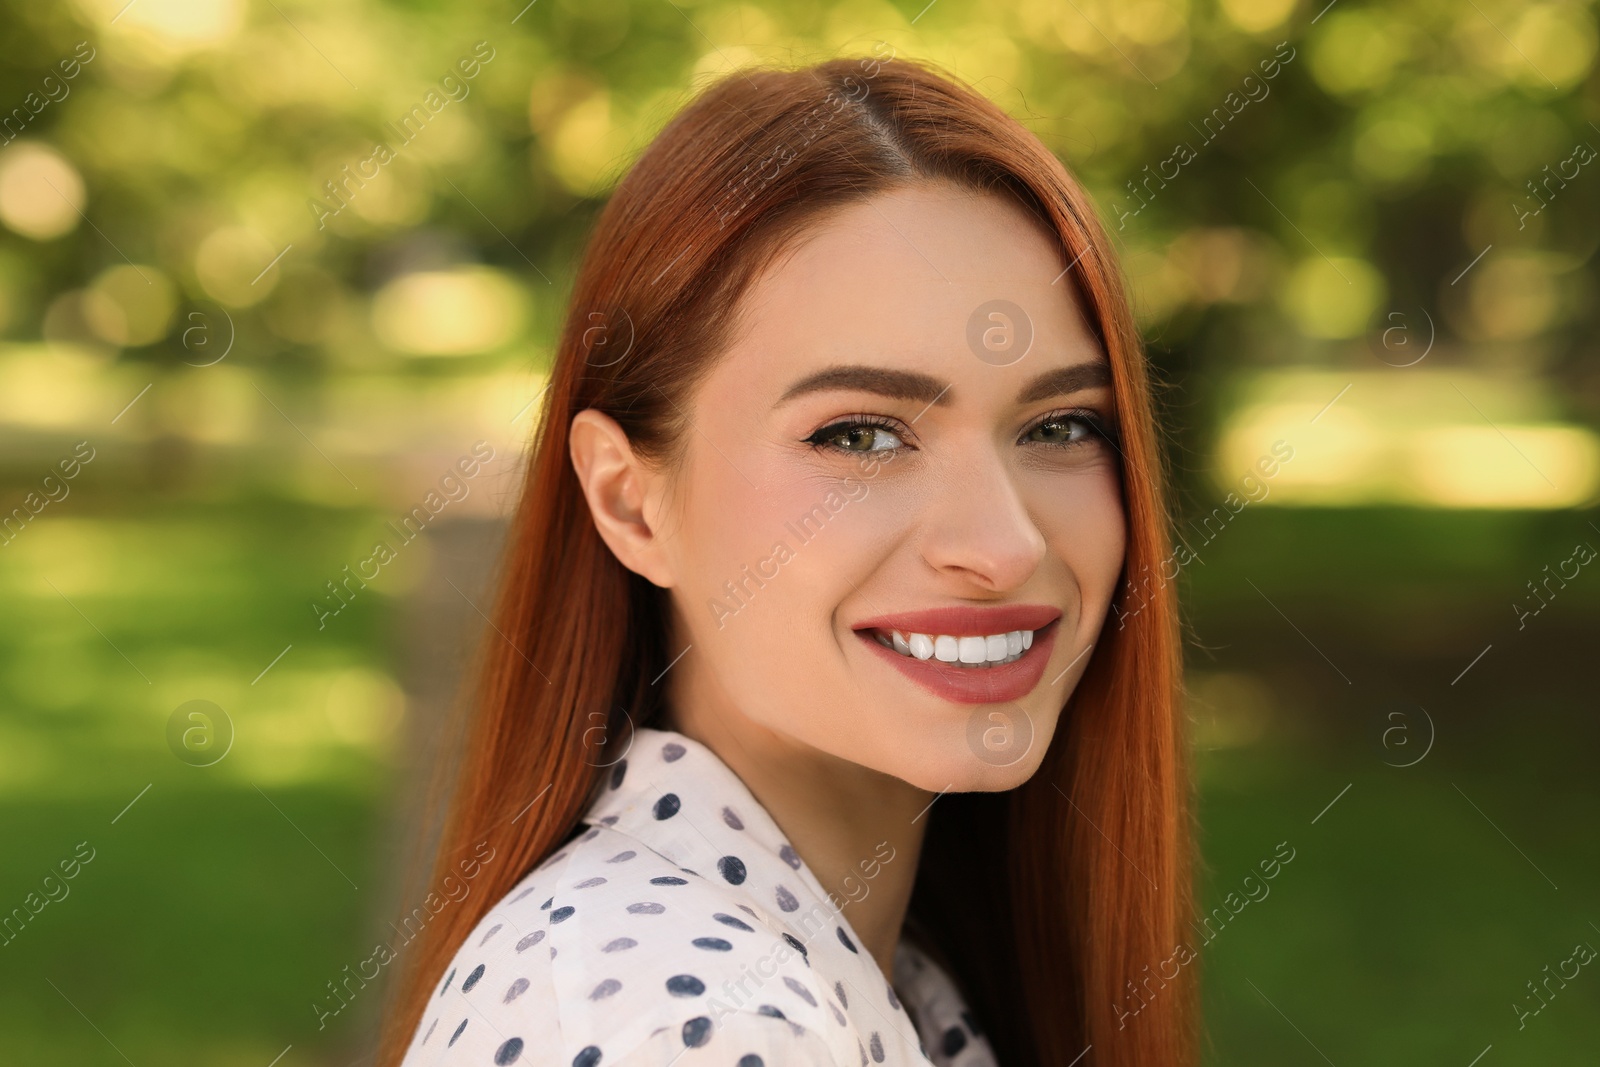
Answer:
(812, 728)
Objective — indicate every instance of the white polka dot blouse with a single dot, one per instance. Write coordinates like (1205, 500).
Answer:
(681, 928)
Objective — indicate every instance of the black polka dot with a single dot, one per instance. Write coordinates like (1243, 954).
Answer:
(617, 773)
(667, 806)
(589, 1057)
(894, 1001)
(619, 944)
(472, 979)
(646, 908)
(876, 1045)
(608, 820)
(668, 879)
(519, 987)
(786, 900)
(861, 1049)
(732, 819)
(750, 1059)
(451, 977)
(737, 924)
(714, 944)
(429, 1034)
(591, 835)
(546, 905)
(457, 1034)
(508, 1052)
(768, 1009)
(590, 883)
(672, 751)
(789, 856)
(495, 929)
(520, 895)
(732, 868)
(953, 1041)
(798, 945)
(748, 910)
(802, 992)
(838, 989)
(838, 1016)
(697, 1031)
(562, 914)
(531, 940)
(605, 989)
(844, 939)
(622, 857)
(685, 985)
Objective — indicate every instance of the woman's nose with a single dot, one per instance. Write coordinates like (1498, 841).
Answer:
(976, 524)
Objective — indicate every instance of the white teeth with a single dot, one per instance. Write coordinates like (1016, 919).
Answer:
(967, 651)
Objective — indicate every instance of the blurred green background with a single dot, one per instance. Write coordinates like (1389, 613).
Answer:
(1378, 249)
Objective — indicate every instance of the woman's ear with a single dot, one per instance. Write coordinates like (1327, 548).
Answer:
(622, 492)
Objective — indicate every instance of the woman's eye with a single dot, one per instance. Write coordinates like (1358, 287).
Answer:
(1069, 430)
(856, 437)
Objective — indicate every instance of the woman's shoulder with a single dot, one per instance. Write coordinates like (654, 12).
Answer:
(609, 953)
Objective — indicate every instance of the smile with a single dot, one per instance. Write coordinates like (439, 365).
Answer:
(977, 652)
(968, 654)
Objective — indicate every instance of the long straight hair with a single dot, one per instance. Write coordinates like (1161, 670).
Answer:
(1060, 905)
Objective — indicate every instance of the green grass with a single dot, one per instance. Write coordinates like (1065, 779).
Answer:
(1406, 925)
(217, 905)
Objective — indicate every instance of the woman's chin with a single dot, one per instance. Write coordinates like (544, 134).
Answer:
(958, 768)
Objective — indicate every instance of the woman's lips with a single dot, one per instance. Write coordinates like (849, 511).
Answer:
(975, 684)
(968, 619)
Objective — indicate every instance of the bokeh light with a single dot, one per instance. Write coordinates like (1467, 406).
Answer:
(455, 312)
(1332, 297)
(41, 193)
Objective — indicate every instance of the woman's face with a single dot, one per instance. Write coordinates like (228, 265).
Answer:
(902, 437)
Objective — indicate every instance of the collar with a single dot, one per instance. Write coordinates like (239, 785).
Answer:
(676, 797)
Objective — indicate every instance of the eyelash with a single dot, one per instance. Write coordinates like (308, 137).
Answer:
(1098, 425)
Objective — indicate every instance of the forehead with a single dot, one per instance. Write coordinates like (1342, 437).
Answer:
(897, 279)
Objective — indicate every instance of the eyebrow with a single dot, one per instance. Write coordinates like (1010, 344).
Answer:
(914, 385)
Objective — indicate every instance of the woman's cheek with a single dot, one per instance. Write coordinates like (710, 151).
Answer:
(1087, 530)
(742, 552)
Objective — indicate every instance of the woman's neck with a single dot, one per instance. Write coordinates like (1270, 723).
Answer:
(859, 830)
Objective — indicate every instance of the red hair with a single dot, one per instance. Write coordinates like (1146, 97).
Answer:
(1055, 903)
